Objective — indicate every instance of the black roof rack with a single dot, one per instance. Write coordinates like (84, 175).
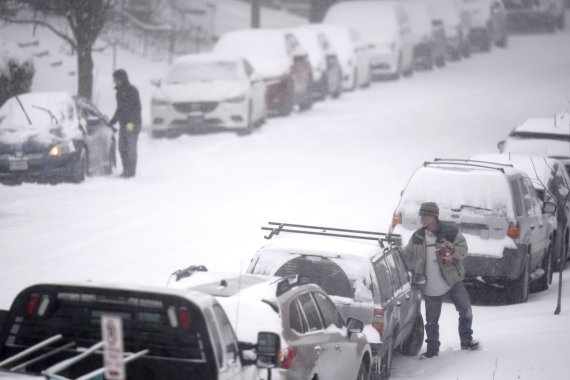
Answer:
(475, 161)
(460, 163)
(276, 228)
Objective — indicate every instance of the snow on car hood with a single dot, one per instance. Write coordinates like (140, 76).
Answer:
(30, 140)
(200, 91)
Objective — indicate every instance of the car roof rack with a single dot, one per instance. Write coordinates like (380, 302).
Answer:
(468, 163)
(382, 238)
(54, 369)
(437, 159)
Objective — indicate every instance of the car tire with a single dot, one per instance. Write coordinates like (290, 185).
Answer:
(81, 168)
(386, 362)
(544, 282)
(517, 290)
(363, 371)
(413, 343)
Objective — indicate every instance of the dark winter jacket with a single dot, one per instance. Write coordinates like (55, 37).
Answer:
(415, 253)
(128, 106)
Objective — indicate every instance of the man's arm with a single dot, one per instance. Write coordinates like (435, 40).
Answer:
(460, 247)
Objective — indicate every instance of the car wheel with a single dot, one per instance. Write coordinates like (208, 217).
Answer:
(386, 362)
(363, 371)
(517, 290)
(413, 343)
(80, 170)
(544, 282)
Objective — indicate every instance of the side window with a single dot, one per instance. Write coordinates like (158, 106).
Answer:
(296, 319)
(215, 338)
(401, 269)
(393, 272)
(384, 281)
(536, 203)
(527, 200)
(229, 338)
(330, 313)
(517, 194)
(310, 309)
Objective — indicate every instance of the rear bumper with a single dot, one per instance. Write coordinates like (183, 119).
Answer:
(41, 169)
(495, 269)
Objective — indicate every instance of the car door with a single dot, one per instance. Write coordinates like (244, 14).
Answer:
(403, 293)
(229, 363)
(543, 234)
(98, 136)
(391, 312)
(535, 223)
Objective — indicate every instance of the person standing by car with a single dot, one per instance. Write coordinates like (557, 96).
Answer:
(128, 114)
(437, 251)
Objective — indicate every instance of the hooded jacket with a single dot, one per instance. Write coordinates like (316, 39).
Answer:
(415, 253)
(128, 102)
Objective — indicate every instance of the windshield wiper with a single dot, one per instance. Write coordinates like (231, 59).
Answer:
(23, 109)
(52, 118)
(474, 208)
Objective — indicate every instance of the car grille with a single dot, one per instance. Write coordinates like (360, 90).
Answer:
(188, 107)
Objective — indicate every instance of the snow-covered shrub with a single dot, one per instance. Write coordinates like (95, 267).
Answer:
(16, 71)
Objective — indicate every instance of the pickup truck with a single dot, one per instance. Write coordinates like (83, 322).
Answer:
(53, 331)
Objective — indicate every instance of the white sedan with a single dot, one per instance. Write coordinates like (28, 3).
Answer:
(206, 93)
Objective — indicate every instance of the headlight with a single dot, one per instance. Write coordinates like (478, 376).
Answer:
(159, 102)
(236, 99)
(62, 148)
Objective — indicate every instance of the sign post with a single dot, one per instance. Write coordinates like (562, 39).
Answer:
(113, 348)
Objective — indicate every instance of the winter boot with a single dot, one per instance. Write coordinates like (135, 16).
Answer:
(428, 354)
(469, 344)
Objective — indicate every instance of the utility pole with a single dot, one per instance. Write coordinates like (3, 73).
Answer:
(255, 14)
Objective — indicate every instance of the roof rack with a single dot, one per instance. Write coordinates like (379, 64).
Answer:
(459, 163)
(475, 161)
(385, 240)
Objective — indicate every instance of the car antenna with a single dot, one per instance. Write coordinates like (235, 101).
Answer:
(23, 109)
(51, 115)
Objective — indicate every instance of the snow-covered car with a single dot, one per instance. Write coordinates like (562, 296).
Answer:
(54, 137)
(281, 61)
(316, 341)
(541, 136)
(352, 53)
(456, 22)
(429, 39)
(552, 183)
(498, 211)
(384, 25)
(167, 333)
(488, 23)
(327, 73)
(208, 92)
(364, 280)
(549, 14)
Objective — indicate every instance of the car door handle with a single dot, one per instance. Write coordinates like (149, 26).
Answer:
(318, 350)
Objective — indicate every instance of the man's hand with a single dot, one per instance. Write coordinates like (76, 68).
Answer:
(130, 127)
(448, 249)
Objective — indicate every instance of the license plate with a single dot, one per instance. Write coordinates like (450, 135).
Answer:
(19, 165)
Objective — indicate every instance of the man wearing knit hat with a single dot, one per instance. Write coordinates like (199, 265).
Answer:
(437, 251)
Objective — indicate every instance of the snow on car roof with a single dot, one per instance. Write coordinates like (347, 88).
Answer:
(538, 146)
(557, 125)
(208, 57)
(219, 283)
(366, 16)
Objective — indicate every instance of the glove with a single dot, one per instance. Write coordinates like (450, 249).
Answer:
(130, 127)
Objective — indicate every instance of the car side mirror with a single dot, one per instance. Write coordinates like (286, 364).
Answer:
(155, 82)
(268, 347)
(354, 325)
(549, 208)
(419, 279)
(501, 146)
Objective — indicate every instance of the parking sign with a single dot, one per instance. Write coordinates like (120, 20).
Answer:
(112, 332)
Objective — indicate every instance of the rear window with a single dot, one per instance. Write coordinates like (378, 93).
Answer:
(75, 313)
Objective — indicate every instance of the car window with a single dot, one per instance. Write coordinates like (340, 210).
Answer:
(330, 313)
(227, 331)
(393, 272)
(384, 280)
(311, 312)
(296, 319)
(401, 270)
(535, 201)
(527, 200)
(517, 194)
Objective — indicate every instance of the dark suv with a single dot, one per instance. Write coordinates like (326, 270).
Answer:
(363, 274)
(498, 211)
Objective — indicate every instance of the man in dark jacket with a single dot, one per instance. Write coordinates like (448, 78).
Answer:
(128, 114)
(437, 251)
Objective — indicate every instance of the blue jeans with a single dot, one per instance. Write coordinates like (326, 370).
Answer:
(460, 298)
(128, 151)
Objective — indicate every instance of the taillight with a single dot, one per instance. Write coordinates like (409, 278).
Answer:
(184, 318)
(396, 219)
(33, 303)
(514, 231)
(378, 321)
(287, 361)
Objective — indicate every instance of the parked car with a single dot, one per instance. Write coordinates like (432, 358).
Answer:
(316, 341)
(456, 21)
(326, 70)
(548, 14)
(498, 211)
(552, 184)
(541, 136)
(167, 334)
(429, 38)
(281, 61)
(352, 52)
(488, 23)
(364, 280)
(54, 137)
(208, 92)
(385, 27)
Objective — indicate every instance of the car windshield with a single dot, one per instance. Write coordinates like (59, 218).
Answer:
(189, 72)
(13, 116)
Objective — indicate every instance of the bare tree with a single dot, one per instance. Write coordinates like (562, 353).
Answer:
(85, 19)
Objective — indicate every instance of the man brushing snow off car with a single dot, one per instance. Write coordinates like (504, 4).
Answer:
(437, 251)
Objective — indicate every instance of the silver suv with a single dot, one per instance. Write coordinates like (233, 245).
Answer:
(363, 274)
(498, 211)
(316, 341)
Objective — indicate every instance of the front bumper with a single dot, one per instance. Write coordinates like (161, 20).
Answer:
(38, 167)
(495, 269)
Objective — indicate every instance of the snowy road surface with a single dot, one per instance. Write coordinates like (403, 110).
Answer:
(202, 199)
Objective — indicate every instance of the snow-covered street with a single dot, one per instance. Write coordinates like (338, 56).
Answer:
(202, 199)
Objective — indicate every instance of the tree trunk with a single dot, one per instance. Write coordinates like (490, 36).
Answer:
(318, 9)
(255, 14)
(85, 72)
